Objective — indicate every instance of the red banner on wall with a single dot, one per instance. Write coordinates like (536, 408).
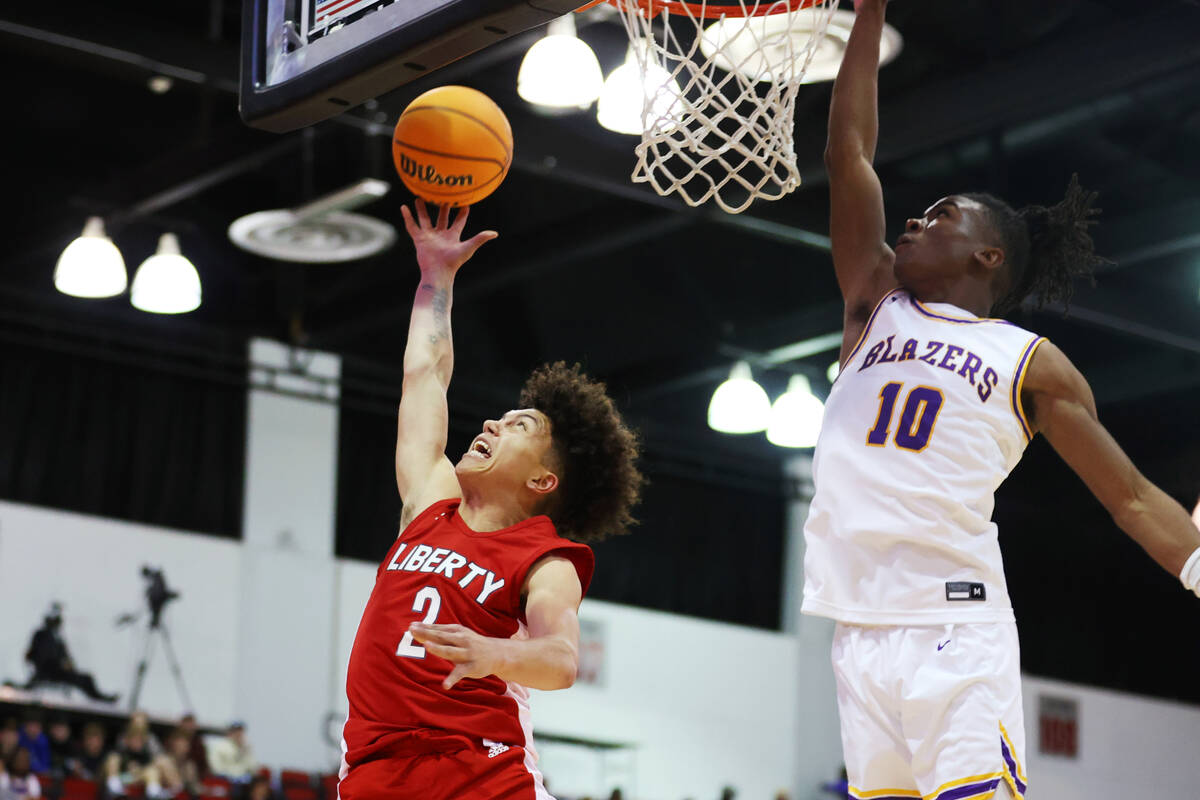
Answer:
(1058, 726)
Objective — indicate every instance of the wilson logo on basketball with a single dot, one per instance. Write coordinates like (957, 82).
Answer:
(427, 173)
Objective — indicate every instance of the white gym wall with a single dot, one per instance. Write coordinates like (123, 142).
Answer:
(264, 627)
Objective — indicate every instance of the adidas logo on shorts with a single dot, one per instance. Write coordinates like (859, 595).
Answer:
(495, 748)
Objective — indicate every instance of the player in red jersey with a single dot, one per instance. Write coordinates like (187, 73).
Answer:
(477, 598)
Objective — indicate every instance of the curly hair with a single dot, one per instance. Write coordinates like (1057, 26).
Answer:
(1045, 249)
(599, 482)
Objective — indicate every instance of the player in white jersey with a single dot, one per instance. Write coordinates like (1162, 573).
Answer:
(933, 407)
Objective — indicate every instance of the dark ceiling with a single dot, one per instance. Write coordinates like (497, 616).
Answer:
(1010, 97)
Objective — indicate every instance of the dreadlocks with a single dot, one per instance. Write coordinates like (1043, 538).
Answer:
(599, 482)
(1045, 248)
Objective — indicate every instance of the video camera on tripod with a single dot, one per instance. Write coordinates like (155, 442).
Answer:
(158, 595)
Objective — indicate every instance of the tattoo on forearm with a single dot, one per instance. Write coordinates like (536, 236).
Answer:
(441, 316)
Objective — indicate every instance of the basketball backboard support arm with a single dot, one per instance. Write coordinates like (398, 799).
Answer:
(304, 61)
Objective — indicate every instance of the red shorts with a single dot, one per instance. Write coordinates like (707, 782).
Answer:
(444, 767)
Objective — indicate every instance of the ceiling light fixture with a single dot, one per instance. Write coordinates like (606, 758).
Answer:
(626, 90)
(91, 266)
(739, 405)
(160, 84)
(166, 282)
(560, 70)
(760, 47)
(796, 416)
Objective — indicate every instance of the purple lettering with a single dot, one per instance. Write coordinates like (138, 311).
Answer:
(885, 359)
(971, 366)
(930, 356)
(990, 379)
(871, 356)
(953, 351)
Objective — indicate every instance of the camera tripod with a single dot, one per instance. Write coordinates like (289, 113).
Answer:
(157, 626)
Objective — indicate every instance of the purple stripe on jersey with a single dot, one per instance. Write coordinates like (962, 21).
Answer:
(970, 790)
(926, 312)
(889, 797)
(867, 329)
(1013, 772)
(1016, 385)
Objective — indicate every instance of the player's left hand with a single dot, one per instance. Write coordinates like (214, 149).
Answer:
(473, 655)
(439, 244)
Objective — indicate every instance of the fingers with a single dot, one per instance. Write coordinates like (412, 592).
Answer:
(457, 674)
(440, 635)
(410, 224)
(436, 630)
(478, 240)
(461, 220)
(455, 655)
(422, 214)
(443, 221)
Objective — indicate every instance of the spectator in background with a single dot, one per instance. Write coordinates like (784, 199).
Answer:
(231, 757)
(177, 772)
(88, 763)
(52, 661)
(260, 789)
(199, 755)
(140, 721)
(10, 740)
(132, 762)
(34, 739)
(62, 746)
(17, 781)
(728, 793)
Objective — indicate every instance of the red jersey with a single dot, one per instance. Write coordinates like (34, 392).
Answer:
(439, 571)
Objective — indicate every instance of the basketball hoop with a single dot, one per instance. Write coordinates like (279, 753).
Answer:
(726, 133)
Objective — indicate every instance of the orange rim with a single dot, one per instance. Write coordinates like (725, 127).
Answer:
(760, 8)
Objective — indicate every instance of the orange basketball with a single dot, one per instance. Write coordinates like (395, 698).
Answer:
(452, 146)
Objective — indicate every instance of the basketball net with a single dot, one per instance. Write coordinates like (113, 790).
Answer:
(719, 105)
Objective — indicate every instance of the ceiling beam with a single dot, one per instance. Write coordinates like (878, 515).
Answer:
(1034, 84)
(198, 184)
(540, 165)
(712, 375)
(1127, 327)
(1151, 233)
(1160, 372)
(600, 244)
(213, 72)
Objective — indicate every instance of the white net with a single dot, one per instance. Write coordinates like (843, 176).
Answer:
(720, 97)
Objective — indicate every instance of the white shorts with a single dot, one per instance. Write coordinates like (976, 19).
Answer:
(930, 712)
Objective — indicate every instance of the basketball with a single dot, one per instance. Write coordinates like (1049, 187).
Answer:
(452, 146)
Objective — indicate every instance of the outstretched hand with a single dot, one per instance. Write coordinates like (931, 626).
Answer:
(473, 655)
(439, 245)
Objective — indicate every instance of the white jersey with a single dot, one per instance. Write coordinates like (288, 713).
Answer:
(923, 424)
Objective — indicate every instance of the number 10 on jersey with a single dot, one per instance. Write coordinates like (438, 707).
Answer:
(920, 411)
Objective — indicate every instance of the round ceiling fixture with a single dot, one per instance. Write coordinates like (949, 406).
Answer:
(760, 47)
(328, 239)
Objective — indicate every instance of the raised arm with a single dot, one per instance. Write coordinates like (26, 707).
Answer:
(547, 659)
(1064, 411)
(423, 473)
(861, 257)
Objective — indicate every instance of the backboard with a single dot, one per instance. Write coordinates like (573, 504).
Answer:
(304, 61)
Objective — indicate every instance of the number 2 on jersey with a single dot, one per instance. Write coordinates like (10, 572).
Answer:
(427, 596)
(920, 412)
